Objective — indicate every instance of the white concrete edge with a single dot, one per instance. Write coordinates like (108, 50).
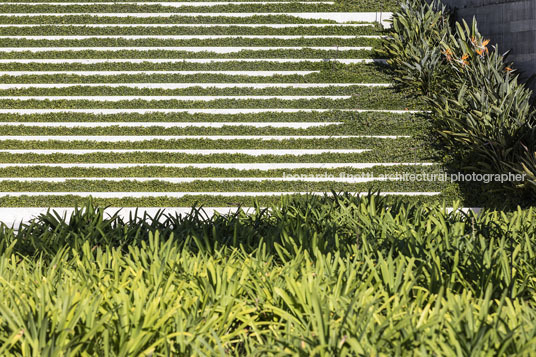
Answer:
(138, 138)
(180, 98)
(333, 16)
(212, 49)
(191, 85)
(170, 4)
(292, 125)
(184, 37)
(246, 166)
(183, 194)
(199, 111)
(186, 73)
(279, 26)
(194, 179)
(248, 152)
(193, 60)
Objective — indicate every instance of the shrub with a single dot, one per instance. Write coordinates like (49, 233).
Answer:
(480, 110)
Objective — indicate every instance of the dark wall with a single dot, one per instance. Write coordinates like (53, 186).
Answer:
(509, 23)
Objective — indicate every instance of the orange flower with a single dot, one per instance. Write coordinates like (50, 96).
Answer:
(448, 54)
(480, 49)
(485, 45)
(508, 69)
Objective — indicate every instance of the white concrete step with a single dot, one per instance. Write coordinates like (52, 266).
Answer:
(212, 49)
(184, 37)
(207, 98)
(193, 60)
(116, 73)
(245, 166)
(279, 26)
(184, 194)
(292, 125)
(341, 179)
(197, 111)
(190, 85)
(249, 152)
(103, 138)
(342, 17)
(171, 4)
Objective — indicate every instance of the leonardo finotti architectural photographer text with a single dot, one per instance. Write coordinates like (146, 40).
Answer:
(405, 176)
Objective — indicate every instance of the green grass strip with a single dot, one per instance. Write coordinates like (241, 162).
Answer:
(370, 74)
(175, 19)
(391, 153)
(392, 102)
(221, 42)
(369, 119)
(156, 8)
(208, 201)
(166, 171)
(178, 30)
(201, 91)
(135, 54)
(392, 127)
(181, 66)
(218, 186)
(412, 143)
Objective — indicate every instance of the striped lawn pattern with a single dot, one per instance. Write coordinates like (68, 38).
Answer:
(163, 121)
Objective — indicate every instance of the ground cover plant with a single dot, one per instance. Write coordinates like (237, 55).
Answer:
(174, 19)
(365, 119)
(282, 7)
(358, 73)
(302, 53)
(190, 30)
(334, 275)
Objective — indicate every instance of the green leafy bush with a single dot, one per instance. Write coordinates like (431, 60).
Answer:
(324, 276)
(480, 110)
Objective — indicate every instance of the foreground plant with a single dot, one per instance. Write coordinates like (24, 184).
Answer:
(324, 276)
